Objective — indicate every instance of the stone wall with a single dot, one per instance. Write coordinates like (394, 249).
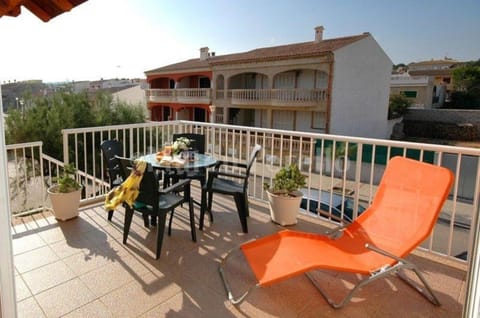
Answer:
(443, 124)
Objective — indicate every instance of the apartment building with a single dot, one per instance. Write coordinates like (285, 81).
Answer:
(418, 89)
(440, 80)
(338, 86)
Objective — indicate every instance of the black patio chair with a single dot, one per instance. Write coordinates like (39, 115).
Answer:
(155, 202)
(229, 183)
(110, 149)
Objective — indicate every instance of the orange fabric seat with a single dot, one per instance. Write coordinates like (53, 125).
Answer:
(402, 215)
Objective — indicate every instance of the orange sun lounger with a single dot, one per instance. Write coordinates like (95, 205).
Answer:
(402, 215)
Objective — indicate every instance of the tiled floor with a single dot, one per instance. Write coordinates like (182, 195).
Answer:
(80, 268)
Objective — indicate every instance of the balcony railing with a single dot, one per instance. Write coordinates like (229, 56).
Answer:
(180, 95)
(31, 172)
(291, 97)
(349, 166)
(280, 97)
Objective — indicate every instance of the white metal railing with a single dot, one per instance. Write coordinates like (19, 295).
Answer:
(27, 189)
(350, 166)
(31, 172)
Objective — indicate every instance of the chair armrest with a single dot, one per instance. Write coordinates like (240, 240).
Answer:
(230, 164)
(383, 252)
(214, 174)
(337, 231)
(175, 187)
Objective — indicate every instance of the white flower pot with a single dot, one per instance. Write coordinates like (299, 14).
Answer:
(284, 209)
(65, 205)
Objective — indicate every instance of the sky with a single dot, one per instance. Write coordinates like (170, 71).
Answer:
(124, 38)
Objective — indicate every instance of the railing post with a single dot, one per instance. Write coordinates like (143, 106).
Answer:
(472, 299)
(41, 172)
(130, 143)
(65, 147)
(7, 282)
(358, 171)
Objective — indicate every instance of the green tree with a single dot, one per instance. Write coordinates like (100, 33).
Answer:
(46, 116)
(467, 76)
(467, 84)
(397, 105)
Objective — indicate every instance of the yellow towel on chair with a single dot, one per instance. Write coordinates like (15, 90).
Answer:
(128, 190)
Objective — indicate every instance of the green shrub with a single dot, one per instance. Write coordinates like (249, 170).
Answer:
(286, 180)
(398, 105)
(66, 181)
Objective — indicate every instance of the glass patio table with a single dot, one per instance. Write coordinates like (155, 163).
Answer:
(201, 161)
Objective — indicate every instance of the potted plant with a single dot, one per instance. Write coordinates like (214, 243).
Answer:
(65, 194)
(284, 195)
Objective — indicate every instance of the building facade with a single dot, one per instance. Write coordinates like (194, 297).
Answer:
(439, 74)
(338, 86)
(418, 89)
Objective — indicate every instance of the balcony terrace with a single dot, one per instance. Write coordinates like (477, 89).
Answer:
(80, 268)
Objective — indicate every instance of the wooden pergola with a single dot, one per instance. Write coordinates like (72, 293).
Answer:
(43, 9)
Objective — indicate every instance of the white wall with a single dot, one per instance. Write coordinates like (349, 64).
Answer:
(360, 90)
(7, 283)
(134, 95)
(282, 120)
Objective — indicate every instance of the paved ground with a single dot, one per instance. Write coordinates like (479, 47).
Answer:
(80, 268)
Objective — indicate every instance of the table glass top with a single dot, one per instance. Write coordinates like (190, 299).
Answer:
(200, 161)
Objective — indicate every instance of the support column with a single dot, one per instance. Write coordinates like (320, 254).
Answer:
(213, 113)
(269, 118)
(226, 112)
(7, 283)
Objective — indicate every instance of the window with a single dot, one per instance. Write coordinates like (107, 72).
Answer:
(318, 120)
(322, 80)
(409, 94)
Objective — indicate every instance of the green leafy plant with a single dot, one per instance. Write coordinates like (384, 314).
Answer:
(66, 182)
(287, 180)
(398, 105)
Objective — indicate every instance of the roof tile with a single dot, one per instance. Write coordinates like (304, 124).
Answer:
(289, 51)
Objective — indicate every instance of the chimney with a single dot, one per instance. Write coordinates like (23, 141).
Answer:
(319, 34)
(203, 53)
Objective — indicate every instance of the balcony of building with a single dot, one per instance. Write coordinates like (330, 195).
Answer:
(179, 95)
(286, 98)
(81, 267)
